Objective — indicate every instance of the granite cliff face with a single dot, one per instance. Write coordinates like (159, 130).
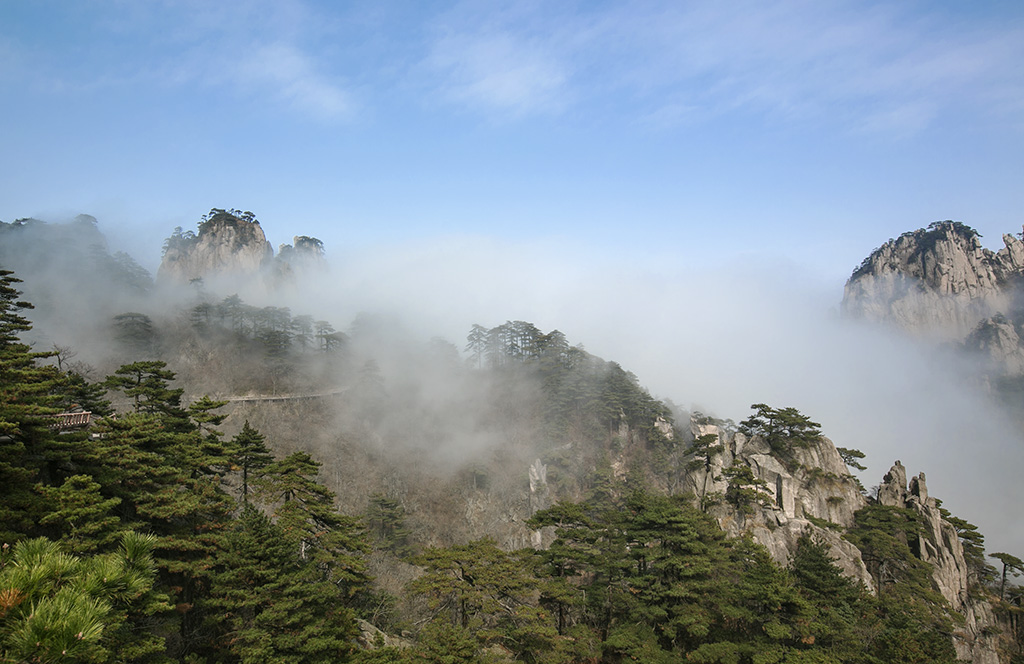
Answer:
(937, 282)
(811, 489)
(939, 545)
(228, 242)
(813, 493)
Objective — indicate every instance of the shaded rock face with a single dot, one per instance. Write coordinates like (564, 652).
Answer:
(226, 243)
(1000, 343)
(937, 282)
(303, 249)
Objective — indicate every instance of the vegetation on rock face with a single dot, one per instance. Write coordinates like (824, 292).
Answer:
(925, 240)
(576, 384)
(784, 429)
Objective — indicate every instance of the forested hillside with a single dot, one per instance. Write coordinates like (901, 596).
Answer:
(242, 483)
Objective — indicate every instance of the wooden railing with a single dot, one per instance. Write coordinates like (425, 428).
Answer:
(68, 421)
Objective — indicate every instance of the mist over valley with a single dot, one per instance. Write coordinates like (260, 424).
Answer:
(548, 333)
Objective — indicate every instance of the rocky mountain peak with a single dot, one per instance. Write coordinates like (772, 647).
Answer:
(304, 255)
(228, 242)
(938, 282)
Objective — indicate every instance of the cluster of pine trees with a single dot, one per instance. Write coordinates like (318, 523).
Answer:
(634, 576)
(126, 543)
(274, 327)
(579, 388)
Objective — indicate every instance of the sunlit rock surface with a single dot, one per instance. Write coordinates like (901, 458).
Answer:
(937, 282)
(225, 244)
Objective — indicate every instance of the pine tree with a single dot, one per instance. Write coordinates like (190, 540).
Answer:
(77, 391)
(840, 615)
(166, 473)
(386, 519)
(305, 512)
(1011, 564)
(28, 450)
(784, 429)
(269, 605)
(704, 449)
(146, 384)
(59, 607)
(477, 585)
(744, 490)
(249, 453)
(83, 520)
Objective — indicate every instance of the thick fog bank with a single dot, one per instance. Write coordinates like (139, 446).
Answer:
(719, 337)
(707, 330)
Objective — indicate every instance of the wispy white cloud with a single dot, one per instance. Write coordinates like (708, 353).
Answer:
(293, 78)
(879, 68)
(512, 59)
(863, 66)
(501, 71)
(890, 68)
(266, 50)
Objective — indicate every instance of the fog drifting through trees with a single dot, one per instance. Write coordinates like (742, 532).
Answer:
(710, 333)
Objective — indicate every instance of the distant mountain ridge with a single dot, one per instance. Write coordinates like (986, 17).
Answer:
(941, 283)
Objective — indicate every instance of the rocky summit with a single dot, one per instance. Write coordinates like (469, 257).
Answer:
(228, 242)
(942, 284)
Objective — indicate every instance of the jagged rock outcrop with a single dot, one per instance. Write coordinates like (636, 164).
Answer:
(811, 492)
(304, 256)
(939, 545)
(303, 251)
(228, 242)
(814, 486)
(937, 282)
(372, 638)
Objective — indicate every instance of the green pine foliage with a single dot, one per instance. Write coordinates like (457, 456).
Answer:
(385, 520)
(304, 510)
(784, 429)
(917, 622)
(744, 491)
(58, 607)
(580, 389)
(82, 519)
(249, 454)
(28, 446)
(271, 604)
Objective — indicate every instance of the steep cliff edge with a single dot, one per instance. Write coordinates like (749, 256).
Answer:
(807, 493)
(811, 492)
(938, 544)
(228, 242)
(937, 282)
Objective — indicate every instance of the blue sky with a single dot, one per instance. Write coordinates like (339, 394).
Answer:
(681, 186)
(809, 130)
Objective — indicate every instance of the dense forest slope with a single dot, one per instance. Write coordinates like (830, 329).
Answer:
(256, 485)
